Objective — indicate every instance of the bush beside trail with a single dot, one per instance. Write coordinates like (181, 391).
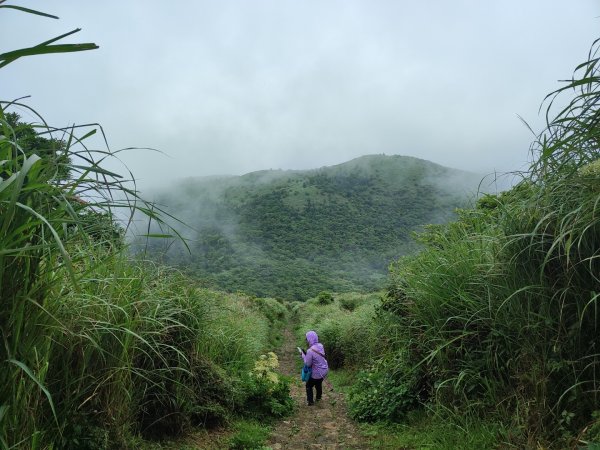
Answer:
(140, 352)
(500, 309)
(350, 339)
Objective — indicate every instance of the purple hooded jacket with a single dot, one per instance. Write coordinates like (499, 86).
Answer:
(313, 359)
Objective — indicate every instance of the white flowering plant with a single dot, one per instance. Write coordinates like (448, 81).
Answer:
(268, 391)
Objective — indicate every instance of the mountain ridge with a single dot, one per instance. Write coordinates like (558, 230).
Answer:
(372, 156)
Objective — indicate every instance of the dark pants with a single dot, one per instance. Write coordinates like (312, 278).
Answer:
(318, 384)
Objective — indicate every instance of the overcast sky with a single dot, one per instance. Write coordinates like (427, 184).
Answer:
(233, 86)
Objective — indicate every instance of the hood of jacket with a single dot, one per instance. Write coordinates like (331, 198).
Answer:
(312, 338)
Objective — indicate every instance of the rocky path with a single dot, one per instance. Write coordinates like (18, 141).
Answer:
(323, 426)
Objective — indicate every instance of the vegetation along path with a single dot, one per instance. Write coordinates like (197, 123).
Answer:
(323, 426)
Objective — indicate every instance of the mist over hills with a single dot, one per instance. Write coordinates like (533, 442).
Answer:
(292, 234)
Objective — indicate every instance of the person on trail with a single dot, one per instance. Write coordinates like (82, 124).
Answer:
(315, 359)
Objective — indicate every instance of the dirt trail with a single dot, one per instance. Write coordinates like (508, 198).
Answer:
(323, 426)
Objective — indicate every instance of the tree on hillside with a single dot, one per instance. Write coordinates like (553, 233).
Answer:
(28, 141)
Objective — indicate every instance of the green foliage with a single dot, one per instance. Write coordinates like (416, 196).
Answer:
(234, 332)
(28, 141)
(294, 234)
(325, 298)
(98, 349)
(350, 302)
(267, 400)
(249, 435)
(142, 350)
(274, 310)
(267, 392)
(385, 392)
(276, 313)
(86, 436)
(427, 429)
(500, 308)
(155, 342)
(591, 434)
(45, 47)
(350, 339)
(47, 244)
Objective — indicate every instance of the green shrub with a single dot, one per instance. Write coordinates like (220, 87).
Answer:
(294, 308)
(350, 337)
(591, 434)
(249, 436)
(349, 302)
(385, 392)
(267, 392)
(276, 313)
(272, 309)
(325, 298)
(440, 431)
(330, 335)
(235, 331)
(500, 307)
(86, 436)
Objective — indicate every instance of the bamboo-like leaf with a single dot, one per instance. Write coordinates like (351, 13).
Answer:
(19, 180)
(9, 57)
(96, 169)
(58, 38)
(5, 183)
(30, 374)
(57, 239)
(29, 11)
(87, 135)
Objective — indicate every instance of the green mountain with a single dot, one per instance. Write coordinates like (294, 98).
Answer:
(292, 234)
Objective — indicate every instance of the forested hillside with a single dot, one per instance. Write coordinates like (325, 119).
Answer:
(291, 234)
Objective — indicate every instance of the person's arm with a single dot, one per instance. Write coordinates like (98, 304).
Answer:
(308, 358)
(302, 354)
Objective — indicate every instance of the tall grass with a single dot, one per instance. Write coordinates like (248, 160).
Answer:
(495, 323)
(501, 307)
(97, 350)
(40, 217)
(345, 327)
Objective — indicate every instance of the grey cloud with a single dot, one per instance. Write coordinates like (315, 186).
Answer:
(234, 86)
